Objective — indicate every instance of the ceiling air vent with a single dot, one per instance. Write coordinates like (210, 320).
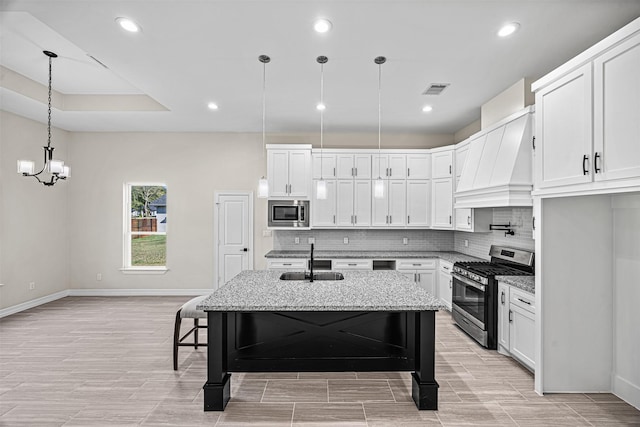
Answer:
(435, 89)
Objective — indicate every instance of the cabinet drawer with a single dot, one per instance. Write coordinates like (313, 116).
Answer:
(352, 264)
(416, 264)
(446, 266)
(287, 264)
(522, 299)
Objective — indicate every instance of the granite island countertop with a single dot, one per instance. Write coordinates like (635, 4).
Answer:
(526, 283)
(262, 290)
(450, 256)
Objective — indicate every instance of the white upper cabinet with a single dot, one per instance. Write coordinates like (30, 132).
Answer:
(442, 162)
(390, 210)
(418, 166)
(389, 166)
(442, 207)
(418, 203)
(617, 112)
(356, 166)
(323, 211)
(289, 171)
(324, 166)
(587, 120)
(353, 203)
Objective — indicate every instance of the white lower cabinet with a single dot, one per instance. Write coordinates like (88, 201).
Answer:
(445, 283)
(352, 264)
(420, 271)
(289, 264)
(516, 324)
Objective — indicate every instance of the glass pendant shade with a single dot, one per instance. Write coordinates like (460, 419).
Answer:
(321, 190)
(26, 166)
(263, 188)
(66, 172)
(55, 166)
(378, 189)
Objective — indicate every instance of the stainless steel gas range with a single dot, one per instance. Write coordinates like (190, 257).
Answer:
(475, 291)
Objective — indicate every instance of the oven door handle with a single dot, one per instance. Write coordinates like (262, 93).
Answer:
(468, 282)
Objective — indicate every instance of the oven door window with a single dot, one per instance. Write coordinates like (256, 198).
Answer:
(285, 213)
(469, 299)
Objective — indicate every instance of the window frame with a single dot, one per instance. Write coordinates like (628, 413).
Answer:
(127, 268)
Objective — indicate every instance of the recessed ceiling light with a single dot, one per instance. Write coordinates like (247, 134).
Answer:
(128, 25)
(321, 107)
(508, 29)
(212, 106)
(322, 25)
(427, 108)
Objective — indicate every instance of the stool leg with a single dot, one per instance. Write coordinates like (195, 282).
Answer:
(196, 332)
(176, 340)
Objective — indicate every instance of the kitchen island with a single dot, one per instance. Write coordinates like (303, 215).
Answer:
(370, 321)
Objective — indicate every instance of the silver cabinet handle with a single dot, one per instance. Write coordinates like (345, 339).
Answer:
(390, 172)
(356, 172)
(352, 264)
(502, 297)
(286, 263)
(521, 300)
(450, 283)
(408, 219)
(334, 219)
(449, 169)
(390, 219)
(510, 316)
(449, 219)
(469, 220)
(418, 276)
(334, 172)
(355, 219)
(353, 172)
(408, 172)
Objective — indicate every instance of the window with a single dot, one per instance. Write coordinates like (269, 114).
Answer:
(145, 216)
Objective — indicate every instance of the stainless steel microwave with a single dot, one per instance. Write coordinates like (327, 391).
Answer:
(289, 213)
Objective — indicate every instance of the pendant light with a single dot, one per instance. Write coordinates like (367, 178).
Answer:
(263, 184)
(55, 168)
(378, 187)
(321, 185)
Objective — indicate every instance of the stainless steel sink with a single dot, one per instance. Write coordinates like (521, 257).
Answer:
(299, 275)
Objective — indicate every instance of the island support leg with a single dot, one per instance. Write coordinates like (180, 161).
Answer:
(217, 389)
(424, 388)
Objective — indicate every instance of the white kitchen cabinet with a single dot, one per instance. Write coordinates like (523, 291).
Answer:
(324, 165)
(522, 327)
(323, 211)
(418, 166)
(389, 166)
(445, 283)
(617, 112)
(503, 318)
(442, 163)
(353, 203)
(352, 264)
(289, 264)
(420, 271)
(356, 166)
(442, 204)
(391, 209)
(418, 203)
(289, 172)
(473, 220)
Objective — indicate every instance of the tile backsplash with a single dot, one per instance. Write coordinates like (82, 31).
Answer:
(417, 240)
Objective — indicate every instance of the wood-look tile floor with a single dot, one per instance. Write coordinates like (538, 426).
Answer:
(94, 361)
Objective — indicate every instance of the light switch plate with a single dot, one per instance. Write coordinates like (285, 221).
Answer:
(266, 233)
(345, 240)
(312, 240)
(296, 240)
(405, 241)
(466, 243)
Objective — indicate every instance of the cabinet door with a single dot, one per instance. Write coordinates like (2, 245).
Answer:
(442, 204)
(410, 275)
(463, 219)
(418, 166)
(427, 281)
(418, 198)
(503, 316)
(380, 206)
(522, 336)
(563, 130)
(397, 166)
(299, 173)
(617, 112)
(442, 164)
(324, 166)
(362, 203)
(445, 285)
(379, 166)
(278, 173)
(362, 165)
(344, 203)
(324, 211)
(345, 169)
(397, 202)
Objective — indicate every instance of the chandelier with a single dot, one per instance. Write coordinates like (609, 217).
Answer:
(52, 169)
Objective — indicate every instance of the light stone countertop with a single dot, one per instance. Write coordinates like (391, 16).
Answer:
(262, 290)
(526, 283)
(450, 256)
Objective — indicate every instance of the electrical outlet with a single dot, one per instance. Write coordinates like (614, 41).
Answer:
(466, 243)
(296, 240)
(32, 286)
(345, 240)
(99, 277)
(266, 233)
(405, 241)
(312, 240)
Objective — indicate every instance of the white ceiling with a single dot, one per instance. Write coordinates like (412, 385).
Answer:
(193, 52)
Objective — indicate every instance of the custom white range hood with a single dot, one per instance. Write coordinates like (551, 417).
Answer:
(498, 168)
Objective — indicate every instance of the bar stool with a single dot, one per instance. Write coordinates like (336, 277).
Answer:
(188, 311)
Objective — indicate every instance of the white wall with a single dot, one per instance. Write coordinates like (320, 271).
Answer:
(511, 100)
(33, 218)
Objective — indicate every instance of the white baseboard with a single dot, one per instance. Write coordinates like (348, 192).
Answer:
(626, 391)
(33, 303)
(101, 293)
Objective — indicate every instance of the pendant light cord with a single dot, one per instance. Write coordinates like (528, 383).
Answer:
(321, 119)
(49, 110)
(264, 105)
(379, 113)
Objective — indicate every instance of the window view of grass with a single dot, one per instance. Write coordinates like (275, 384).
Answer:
(149, 250)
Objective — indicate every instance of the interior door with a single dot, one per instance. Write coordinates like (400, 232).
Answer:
(235, 238)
